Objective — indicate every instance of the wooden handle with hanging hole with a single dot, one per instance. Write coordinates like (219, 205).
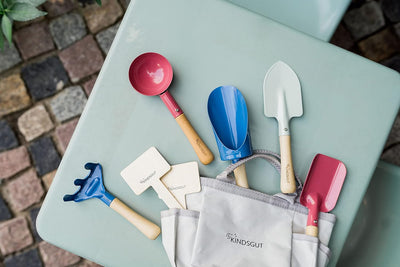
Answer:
(148, 228)
(203, 152)
(288, 183)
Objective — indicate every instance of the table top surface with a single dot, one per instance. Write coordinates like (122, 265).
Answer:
(349, 106)
(372, 240)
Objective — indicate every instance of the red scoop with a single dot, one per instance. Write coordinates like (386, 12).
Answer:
(322, 188)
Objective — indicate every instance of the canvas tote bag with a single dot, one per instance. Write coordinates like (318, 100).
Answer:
(227, 225)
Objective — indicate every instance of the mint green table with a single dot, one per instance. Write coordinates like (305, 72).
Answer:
(349, 106)
(373, 239)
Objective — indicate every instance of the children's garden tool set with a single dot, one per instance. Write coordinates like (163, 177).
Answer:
(221, 221)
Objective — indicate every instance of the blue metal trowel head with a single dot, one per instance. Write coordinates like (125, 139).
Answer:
(91, 187)
(227, 111)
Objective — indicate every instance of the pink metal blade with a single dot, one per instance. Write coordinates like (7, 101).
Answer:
(325, 179)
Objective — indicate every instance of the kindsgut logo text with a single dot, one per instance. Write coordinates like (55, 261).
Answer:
(235, 239)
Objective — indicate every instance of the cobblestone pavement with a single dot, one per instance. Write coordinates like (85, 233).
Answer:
(44, 88)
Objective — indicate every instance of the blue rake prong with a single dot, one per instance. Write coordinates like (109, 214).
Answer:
(69, 197)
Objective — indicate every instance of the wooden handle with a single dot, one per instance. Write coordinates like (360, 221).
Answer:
(312, 230)
(240, 176)
(145, 226)
(203, 152)
(288, 184)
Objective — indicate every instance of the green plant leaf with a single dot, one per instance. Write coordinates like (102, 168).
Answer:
(32, 2)
(98, 2)
(6, 26)
(1, 5)
(25, 12)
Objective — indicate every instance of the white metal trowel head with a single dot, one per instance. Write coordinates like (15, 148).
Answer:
(282, 93)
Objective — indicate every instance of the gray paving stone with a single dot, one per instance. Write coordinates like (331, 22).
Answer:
(44, 78)
(391, 8)
(106, 37)
(44, 155)
(4, 211)
(9, 57)
(392, 155)
(33, 214)
(14, 235)
(33, 40)
(342, 38)
(68, 103)
(397, 29)
(7, 136)
(393, 63)
(55, 8)
(54, 256)
(28, 258)
(67, 29)
(364, 20)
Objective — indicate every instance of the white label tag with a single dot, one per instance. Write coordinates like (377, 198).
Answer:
(183, 179)
(147, 169)
(146, 172)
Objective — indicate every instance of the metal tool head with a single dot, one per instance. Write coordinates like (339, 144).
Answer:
(227, 111)
(324, 183)
(91, 187)
(282, 92)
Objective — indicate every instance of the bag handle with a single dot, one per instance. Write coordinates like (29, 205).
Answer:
(270, 156)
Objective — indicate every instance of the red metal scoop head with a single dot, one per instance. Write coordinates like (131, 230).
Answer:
(322, 187)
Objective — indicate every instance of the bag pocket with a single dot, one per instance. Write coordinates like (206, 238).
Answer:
(235, 229)
(179, 228)
(307, 251)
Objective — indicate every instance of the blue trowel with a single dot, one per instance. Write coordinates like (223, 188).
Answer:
(227, 111)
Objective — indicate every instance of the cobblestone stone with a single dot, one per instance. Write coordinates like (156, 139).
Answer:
(342, 38)
(67, 29)
(64, 132)
(44, 155)
(48, 179)
(33, 213)
(34, 122)
(393, 63)
(100, 17)
(82, 59)
(391, 8)
(392, 155)
(13, 161)
(364, 20)
(13, 94)
(28, 258)
(380, 46)
(55, 8)
(397, 29)
(7, 136)
(106, 37)
(14, 235)
(68, 104)
(44, 78)
(24, 191)
(56, 257)
(9, 57)
(88, 86)
(4, 211)
(34, 40)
